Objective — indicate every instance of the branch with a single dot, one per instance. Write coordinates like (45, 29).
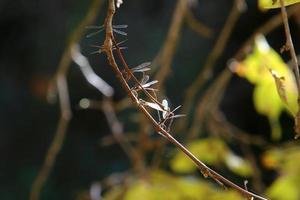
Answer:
(197, 26)
(169, 47)
(108, 45)
(206, 72)
(295, 67)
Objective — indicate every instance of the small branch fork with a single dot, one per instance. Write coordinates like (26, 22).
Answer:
(295, 67)
(108, 45)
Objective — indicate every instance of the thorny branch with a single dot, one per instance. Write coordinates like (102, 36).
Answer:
(60, 83)
(108, 46)
(295, 67)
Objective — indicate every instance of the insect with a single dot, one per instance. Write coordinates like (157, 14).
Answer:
(100, 48)
(166, 116)
(101, 28)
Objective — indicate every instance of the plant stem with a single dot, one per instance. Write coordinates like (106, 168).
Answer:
(206, 171)
(290, 46)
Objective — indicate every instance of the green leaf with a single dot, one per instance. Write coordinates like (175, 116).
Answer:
(267, 4)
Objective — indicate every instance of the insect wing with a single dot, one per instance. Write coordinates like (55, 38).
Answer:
(120, 26)
(166, 108)
(144, 80)
(153, 105)
(149, 84)
(120, 32)
(142, 67)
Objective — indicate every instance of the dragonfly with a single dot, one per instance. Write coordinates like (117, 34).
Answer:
(101, 47)
(101, 28)
(166, 116)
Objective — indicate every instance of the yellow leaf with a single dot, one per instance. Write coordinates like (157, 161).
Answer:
(275, 91)
(282, 159)
(266, 100)
(272, 158)
(210, 150)
(238, 165)
(160, 185)
(285, 187)
(267, 4)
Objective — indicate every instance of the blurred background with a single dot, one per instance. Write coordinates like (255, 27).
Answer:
(35, 33)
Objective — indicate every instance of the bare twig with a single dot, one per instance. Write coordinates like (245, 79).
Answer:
(216, 52)
(197, 26)
(108, 45)
(228, 130)
(63, 93)
(117, 131)
(107, 106)
(169, 47)
(295, 67)
(89, 73)
(58, 139)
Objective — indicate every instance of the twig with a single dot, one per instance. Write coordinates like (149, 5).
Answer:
(117, 131)
(89, 73)
(216, 52)
(208, 103)
(108, 44)
(65, 109)
(197, 26)
(169, 47)
(106, 106)
(295, 67)
(58, 139)
(228, 130)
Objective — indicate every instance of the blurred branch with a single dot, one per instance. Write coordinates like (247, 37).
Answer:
(206, 72)
(106, 106)
(117, 131)
(65, 109)
(169, 47)
(208, 103)
(218, 119)
(89, 73)
(108, 45)
(196, 25)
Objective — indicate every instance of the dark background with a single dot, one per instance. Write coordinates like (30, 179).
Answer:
(33, 34)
